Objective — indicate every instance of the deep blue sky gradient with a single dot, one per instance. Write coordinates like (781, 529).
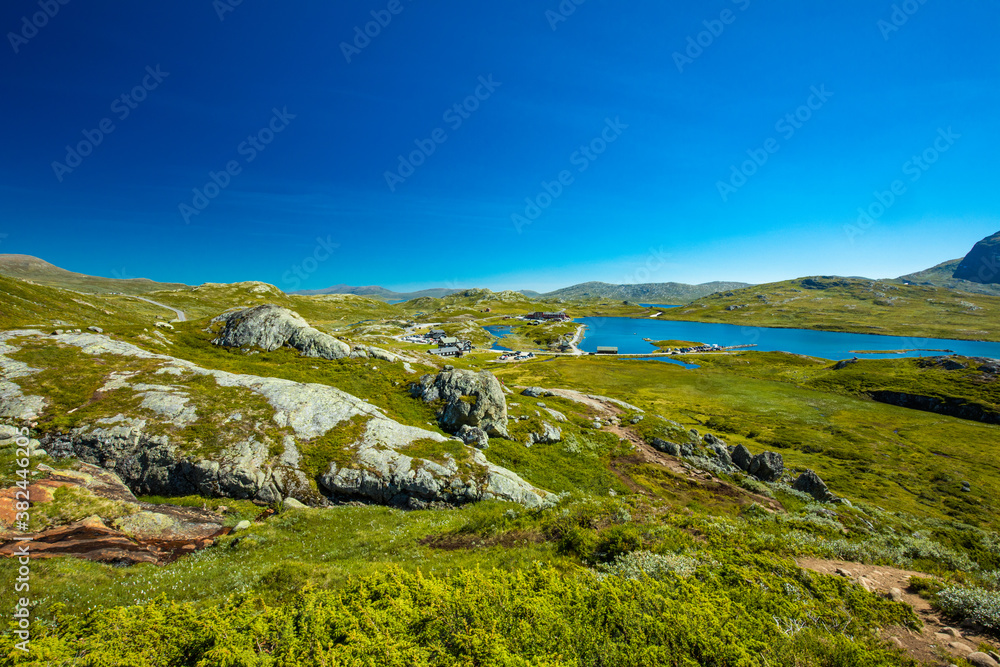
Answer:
(647, 209)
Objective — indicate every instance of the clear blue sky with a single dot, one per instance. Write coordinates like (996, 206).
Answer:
(648, 208)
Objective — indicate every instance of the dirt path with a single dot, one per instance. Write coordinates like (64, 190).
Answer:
(937, 643)
(180, 313)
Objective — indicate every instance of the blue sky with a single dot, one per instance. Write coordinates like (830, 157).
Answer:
(644, 141)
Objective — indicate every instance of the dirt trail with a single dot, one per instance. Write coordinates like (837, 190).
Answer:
(937, 643)
(181, 317)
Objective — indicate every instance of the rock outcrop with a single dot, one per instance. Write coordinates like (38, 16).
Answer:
(122, 530)
(951, 406)
(467, 399)
(276, 443)
(767, 466)
(741, 457)
(982, 264)
(269, 327)
(548, 435)
(811, 483)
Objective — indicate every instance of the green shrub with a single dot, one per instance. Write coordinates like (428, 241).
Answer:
(971, 604)
(617, 541)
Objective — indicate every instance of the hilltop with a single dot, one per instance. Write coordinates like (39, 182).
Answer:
(26, 267)
(978, 272)
(663, 293)
(377, 292)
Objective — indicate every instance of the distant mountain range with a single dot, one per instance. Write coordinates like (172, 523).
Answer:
(666, 293)
(26, 267)
(978, 272)
(662, 293)
(377, 292)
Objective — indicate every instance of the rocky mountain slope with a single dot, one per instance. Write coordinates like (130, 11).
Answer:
(978, 272)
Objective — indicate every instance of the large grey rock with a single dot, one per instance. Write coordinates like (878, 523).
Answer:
(292, 504)
(548, 435)
(665, 446)
(474, 437)
(809, 482)
(741, 457)
(711, 440)
(468, 398)
(721, 453)
(536, 392)
(270, 327)
(980, 659)
(767, 466)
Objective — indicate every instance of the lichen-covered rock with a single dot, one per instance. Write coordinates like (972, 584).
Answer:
(721, 453)
(767, 466)
(666, 446)
(711, 440)
(475, 437)
(270, 327)
(264, 458)
(741, 457)
(548, 435)
(473, 399)
(809, 482)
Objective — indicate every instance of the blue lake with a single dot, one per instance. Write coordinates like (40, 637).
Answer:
(395, 301)
(627, 335)
(499, 331)
(657, 305)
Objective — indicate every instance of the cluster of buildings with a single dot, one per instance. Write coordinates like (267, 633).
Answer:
(541, 317)
(517, 356)
(447, 346)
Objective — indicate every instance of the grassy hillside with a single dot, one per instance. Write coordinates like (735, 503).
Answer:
(24, 304)
(211, 299)
(640, 561)
(26, 267)
(896, 457)
(855, 305)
